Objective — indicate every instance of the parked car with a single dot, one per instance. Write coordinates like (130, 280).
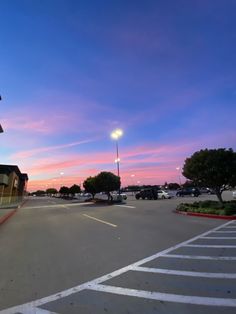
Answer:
(188, 191)
(83, 196)
(207, 191)
(147, 194)
(163, 194)
(115, 196)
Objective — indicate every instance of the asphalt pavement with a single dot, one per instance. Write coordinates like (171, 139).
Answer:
(69, 257)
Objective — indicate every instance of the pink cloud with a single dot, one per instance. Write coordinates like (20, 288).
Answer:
(164, 161)
(37, 151)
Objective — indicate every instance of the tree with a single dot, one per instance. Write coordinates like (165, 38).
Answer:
(51, 191)
(75, 189)
(189, 184)
(213, 168)
(173, 186)
(64, 190)
(90, 186)
(107, 182)
(39, 193)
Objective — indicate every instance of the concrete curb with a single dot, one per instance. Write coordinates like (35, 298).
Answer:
(11, 213)
(205, 215)
(7, 216)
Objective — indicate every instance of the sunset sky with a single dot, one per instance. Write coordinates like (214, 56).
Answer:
(73, 71)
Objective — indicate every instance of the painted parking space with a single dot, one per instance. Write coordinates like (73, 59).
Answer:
(206, 289)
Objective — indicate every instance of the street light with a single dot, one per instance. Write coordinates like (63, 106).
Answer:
(178, 169)
(61, 174)
(115, 135)
(1, 129)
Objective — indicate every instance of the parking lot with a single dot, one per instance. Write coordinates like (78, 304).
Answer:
(139, 257)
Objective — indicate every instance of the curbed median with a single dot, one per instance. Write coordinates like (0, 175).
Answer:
(205, 215)
(209, 209)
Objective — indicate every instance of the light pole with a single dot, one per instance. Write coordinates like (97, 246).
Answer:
(178, 168)
(1, 129)
(61, 174)
(116, 134)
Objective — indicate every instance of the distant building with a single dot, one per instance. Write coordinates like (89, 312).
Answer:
(13, 184)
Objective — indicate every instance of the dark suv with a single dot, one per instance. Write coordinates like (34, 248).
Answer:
(150, 194)
(188, 191)
(207, 191)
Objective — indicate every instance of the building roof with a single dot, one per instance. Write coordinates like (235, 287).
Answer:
(7, 169)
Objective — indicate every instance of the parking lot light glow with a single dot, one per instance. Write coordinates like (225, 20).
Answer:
(116, 134)
(119, 132)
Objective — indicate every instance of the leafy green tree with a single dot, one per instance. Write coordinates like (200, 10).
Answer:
(173, 186)
(75, 189)
(189, 184)
(132, 188)
(51, 191)
(90, 186)
(39, 193)
(107, 182)
(213, 168)
(64, 190)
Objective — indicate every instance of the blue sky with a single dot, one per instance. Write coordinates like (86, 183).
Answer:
(72, 71)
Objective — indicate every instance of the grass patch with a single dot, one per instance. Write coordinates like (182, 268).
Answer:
(209, 207)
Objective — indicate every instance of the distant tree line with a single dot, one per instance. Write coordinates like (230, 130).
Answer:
(64, 190)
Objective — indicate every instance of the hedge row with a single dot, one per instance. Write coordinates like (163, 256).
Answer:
(209, 207)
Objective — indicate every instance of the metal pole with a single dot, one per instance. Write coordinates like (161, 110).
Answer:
(117, 158)
(180, 180)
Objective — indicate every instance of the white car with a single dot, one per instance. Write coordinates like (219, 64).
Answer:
(115, 196)
(234, 194)
(163, 194)
(83, 196)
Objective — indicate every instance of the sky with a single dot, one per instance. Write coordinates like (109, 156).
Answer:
(73, 71)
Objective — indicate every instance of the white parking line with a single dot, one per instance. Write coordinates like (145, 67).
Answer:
(210, 246)
(96, 284)
(128, 206)
(225, 231)
(166, 296)
(37, 310)
(102, 221)
(27, 309)
(230, 227)
(204, 257)
(185, 273)
(221, 238)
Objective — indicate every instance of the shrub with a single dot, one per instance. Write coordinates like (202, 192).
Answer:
(230, 208)
(209, 207)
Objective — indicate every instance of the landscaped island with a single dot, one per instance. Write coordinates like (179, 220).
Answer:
(209, 207)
